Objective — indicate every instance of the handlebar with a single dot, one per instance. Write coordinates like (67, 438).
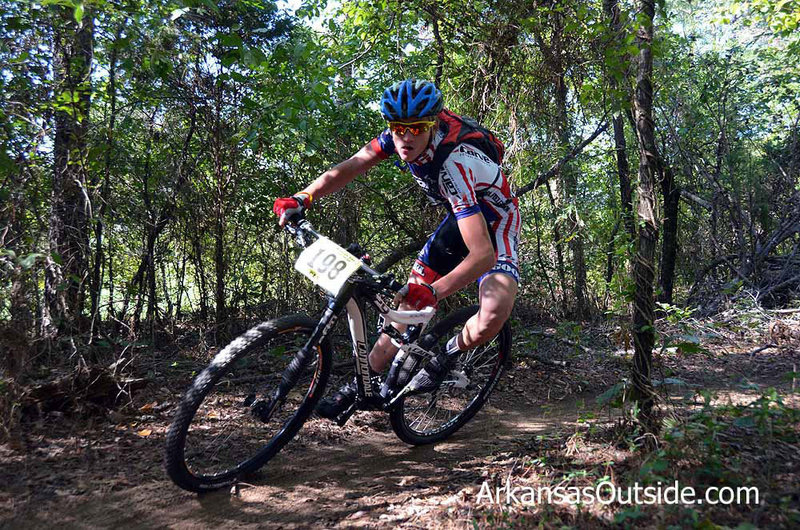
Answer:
(422, 316)
(305, 234)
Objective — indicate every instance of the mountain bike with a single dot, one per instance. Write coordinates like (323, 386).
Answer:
(257, 392)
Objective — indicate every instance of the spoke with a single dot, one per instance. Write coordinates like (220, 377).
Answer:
(480, 350)
(430, 419)
(418, 419)
(491, 361)
(476, 358)
(426, 415)
(478, 366)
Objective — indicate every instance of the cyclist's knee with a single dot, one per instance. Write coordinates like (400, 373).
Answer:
(490, 322)
(485, 325)
(496, 304)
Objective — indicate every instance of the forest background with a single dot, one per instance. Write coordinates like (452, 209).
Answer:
(144, 143)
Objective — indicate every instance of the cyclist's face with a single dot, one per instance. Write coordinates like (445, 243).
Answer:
(408, 146)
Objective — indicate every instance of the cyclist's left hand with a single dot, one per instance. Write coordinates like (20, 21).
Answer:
(419, 295)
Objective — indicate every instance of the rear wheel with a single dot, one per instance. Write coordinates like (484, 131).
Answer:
(227, 424)
(428, 418)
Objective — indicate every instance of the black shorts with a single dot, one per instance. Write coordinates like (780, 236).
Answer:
(445, 249)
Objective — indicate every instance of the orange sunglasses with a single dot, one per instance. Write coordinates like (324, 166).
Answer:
(416, 128)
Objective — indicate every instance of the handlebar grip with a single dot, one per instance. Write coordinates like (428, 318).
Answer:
(295, 219)
(355, 250)
(396, 286)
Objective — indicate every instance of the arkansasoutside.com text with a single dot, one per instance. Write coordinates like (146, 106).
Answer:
(606, 492)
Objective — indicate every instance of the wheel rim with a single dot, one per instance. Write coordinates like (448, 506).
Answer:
(431, 414)
(226, 436)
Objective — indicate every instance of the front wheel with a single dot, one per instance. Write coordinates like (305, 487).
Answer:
(428, 418)
(229, 423)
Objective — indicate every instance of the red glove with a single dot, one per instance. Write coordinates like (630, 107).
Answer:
(287, 207)
(419, 295)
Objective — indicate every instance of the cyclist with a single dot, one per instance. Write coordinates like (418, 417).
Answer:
(456, 162)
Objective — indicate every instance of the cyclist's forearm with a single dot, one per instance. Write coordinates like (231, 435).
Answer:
(466, 272)
(331, 181)
(342, 174)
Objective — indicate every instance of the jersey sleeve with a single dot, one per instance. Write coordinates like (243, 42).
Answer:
(383, 144)
(457, 186)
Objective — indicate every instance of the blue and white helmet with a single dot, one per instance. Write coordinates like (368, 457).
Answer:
(412, 98)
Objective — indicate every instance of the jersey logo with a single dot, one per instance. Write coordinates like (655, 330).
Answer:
(448, 183)
(466, 150)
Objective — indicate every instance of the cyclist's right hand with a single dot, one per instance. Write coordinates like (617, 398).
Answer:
(287, 207)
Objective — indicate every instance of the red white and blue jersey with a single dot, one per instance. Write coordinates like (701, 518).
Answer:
(468, 183)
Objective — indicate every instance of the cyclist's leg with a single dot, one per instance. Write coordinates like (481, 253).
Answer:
(497, 289)
(497, 293)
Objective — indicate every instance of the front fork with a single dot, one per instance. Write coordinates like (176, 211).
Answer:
(264, 409)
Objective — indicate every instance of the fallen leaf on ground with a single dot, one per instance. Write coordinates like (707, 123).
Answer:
(148, 407)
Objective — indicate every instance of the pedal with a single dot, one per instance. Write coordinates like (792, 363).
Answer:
(405, 391)
(262, 411)
(342, 418)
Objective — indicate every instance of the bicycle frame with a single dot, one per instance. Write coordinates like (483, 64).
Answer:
(368, 285)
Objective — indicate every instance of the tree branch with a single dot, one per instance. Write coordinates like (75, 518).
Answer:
(399, 254)
(691, 197)
(547, 175)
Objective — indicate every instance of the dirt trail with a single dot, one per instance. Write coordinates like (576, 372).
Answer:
(361, 475)
(107, 472)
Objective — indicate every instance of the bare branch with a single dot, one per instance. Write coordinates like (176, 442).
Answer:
(691, 197)
(547, 175)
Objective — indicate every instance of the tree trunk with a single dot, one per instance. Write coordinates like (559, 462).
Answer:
(111, 311)
(669, 244)
(610, 254)
(157, 224)
(140, 279)
(624, 174)
(99, 258)
(219, 221)
(152, 297)
(16, 334)
(643, 270)
(570, 201)
(612, 12)
(165, 289)
(67, 266)
(181, 283)
(15, 337)
(554, 59)
(200, 275)
(219, 269)
(560, 268)
(611, 9)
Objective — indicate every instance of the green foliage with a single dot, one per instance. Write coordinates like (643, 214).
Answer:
(614, 396)
(203, 112)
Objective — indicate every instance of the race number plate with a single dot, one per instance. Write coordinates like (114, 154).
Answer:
(327, 264)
